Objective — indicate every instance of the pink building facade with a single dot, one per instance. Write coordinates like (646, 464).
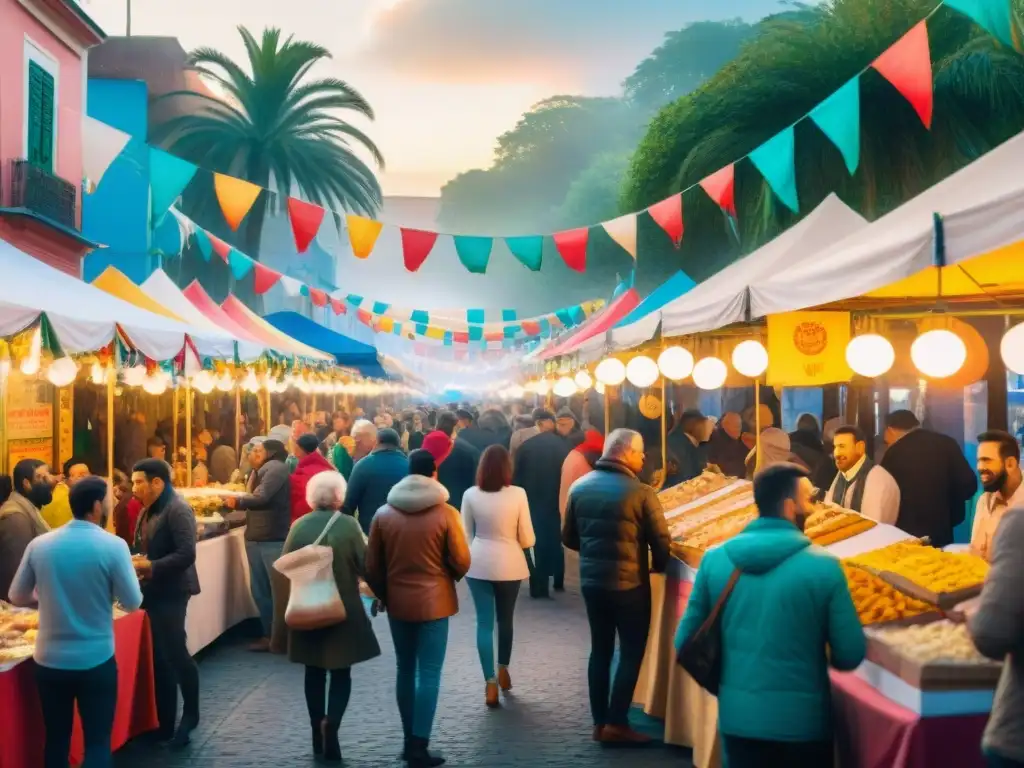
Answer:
(43, 64)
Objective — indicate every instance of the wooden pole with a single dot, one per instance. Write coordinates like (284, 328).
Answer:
(238, 421)
(757, 424)
(175, 418)
(664, 432)
(3, 426)
(188, 434)
(607, 411)
(111, 382)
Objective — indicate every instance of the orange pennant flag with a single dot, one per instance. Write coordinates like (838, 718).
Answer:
(362, 233)
(236, 197)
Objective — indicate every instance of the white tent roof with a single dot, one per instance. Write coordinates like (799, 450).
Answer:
(980, 206)
(723, 298)
(84, 317)
(162, 289)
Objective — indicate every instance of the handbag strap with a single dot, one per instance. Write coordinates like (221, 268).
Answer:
(327, 528)
(720, 603)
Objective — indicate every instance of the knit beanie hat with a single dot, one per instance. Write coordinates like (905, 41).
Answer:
(438, 445)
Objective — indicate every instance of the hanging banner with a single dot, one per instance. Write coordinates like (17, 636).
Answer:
(623, 231)
(362, 234)
(668, 214)
(907, 64)
(808, 349)
(720, 186)
(305, 219)
(236, 197)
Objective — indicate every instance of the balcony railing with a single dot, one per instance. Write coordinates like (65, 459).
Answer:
(43, 193)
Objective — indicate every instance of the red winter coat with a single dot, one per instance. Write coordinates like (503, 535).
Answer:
(312, 464)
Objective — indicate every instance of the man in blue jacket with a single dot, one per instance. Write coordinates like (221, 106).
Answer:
(788, 617)
(373, 477)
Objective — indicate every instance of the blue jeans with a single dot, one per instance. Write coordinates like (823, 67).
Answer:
(261, 555)
(494, 600)
(420, 647)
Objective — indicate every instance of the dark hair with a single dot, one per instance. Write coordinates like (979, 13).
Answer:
(74, 461)
(446, 422)
(308, 442)
(23, 470)
(422, 463)
(464, 415)
(772, 486)
(689, 417)
(495, 469)
(537, 413)
(84, 495)
(275, 449)
(902, 420)
(155, 440)
(154, 469)
(849, 429)
(1008, 445)
(542, 415)
(807, 422)
(388, 436)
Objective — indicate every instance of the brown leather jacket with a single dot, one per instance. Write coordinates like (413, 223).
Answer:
(417, 551)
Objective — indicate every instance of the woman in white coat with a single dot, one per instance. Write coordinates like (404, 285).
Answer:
(496, 516)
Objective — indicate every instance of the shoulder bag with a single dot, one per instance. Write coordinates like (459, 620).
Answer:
(701, 654)
(314, 601)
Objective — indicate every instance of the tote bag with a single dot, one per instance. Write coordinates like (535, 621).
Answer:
(701, 654)
(314, 601)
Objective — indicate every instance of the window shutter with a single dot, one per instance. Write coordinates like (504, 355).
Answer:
(41, 108)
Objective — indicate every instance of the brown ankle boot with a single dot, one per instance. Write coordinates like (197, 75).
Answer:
(491, 696)
(504, 679)
(623, 734)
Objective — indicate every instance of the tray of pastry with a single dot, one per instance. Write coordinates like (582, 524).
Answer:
(676, 499)
(830, 524)
(936, 656)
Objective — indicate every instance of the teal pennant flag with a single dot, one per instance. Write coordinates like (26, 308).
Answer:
(474, 252)
(509, 315)
(205, 246)
(529, 250)
(476, 333)
(240, 264)
(476, 316)
(776, 160)
(838, 117)
(994, 16)
(168, 177)
(354, 300)
(420, 316)
(379, 307)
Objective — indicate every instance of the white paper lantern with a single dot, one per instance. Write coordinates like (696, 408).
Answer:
(1012, 349)
(225, 382)
(583, 379)
(155, 384)
(610, 372)
(642, 371)
(542, 387)
(134, 376)
(565, 387)
(870, 355)
(675, 363)
(62, 372)
(98, 374)
(750, 358)
(251, 383)
(939, 353)
(203, 382)
(599, 387)
(710, 373)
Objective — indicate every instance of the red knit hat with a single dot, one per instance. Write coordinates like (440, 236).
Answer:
(438, 445)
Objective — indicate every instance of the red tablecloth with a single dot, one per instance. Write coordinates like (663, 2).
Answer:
(876, 732)
(22, 743)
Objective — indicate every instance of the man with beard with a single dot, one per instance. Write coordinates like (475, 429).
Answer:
(24, 494)
(999, 470)
(862, 485)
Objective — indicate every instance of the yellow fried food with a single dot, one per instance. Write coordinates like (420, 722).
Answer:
(927, 567)
(877, 601)
(938, 641)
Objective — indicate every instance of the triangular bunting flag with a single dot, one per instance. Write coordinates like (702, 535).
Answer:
(531, 327)
(995, 16)
(221, 248)
(838, 117)
(529, 250)
(168, 177)
(460, 337)
(572, 246)
(204, 244)
(416, 246)
(776, 160)
(420, 316)
(318, 297)
(474, 252)
(306, 219)
(338, 306)
(907, 64)
(623, 231)
(379, 307)
(386, 325)
(236, 197)
(101, 144)
(720, 186)
(240, 264)
(291, 286)
(476, 316)
(364, 317)
(362, 234)
(264, 278)
(668, 214)
(509, 315)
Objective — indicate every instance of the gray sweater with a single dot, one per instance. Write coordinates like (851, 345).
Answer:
(998, 632)
(269, 506)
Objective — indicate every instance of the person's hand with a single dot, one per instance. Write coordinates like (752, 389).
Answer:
(231, 502)
(143, 567)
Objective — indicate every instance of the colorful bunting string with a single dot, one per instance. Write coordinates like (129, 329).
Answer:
(623, 231)
(720, 186)
(907, 64)
(572, 246)
(168, 177)
(362, 234)
(305, 219)
(236, 198)
(668, 214)
(474, 252)
(528, 249)
(416, 246)
(776, 161)
(838, 117)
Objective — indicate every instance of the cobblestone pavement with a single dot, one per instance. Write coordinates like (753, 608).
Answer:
(254, 714)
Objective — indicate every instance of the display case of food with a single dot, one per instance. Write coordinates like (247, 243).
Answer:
(879, 603)
(679, 499)
(831, 524)
(207, 503)
(18, 629)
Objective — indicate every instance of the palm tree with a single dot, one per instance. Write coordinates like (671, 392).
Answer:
(277, 128)
(788, 68)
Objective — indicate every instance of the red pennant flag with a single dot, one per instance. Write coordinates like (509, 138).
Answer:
(907, 64)
(494, 336)
(416, 246)
(318, 297)
(221, 248)
(306, 219)
(572, 245)
(338, 306)
(460, 337)
(721, 187)
(364, 316)
(531, 327)
(668, 214)
(263, 278)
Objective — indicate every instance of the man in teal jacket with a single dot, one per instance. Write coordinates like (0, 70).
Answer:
(789, 616)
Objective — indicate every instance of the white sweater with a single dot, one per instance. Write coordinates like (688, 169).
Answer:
(499, 528)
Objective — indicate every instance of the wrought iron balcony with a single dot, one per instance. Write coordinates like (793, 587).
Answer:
(43, 194)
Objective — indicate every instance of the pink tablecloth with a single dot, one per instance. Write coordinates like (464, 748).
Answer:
(875, 732)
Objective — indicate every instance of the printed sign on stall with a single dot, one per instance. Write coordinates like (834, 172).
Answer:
(808, 349)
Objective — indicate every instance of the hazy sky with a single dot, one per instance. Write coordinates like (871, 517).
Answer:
(445, 77)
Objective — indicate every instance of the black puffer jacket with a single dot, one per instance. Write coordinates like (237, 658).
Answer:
(612, 519)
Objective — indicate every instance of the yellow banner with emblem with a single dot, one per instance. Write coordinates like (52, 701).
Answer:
(808, 349)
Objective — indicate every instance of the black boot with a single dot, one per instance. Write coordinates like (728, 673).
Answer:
(405, 750)
(419, 757)
(182, 736)
(332, 748)
(316, 726)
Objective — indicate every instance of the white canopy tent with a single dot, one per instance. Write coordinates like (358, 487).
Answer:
(723, 298)
(84, 317)
(980, 206)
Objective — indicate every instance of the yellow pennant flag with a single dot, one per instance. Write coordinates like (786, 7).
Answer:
(433, 332)
(362, 233)
(808, 349)
(385, 324)
(236, 197)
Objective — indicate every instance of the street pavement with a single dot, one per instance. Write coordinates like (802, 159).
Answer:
(253, 710)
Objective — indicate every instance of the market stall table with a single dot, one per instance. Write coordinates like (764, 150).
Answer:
(22, 742)
(224, 599)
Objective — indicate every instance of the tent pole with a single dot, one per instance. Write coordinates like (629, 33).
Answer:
(757, 424)
(664, 432)
(188, 434)
(238, 420)
(111, 381)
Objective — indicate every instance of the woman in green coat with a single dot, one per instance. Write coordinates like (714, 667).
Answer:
(335, 649)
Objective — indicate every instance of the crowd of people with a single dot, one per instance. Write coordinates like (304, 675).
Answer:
(410, 504)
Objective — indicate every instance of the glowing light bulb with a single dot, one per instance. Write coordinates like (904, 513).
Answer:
(565, 387)
(870, 355)
(203, 382)
(583, 379)
(675, 363)
(611, 372)
(710, 373)
(642, 371)
(133, 377)
(62, 372)
(939, 353)
(750, 358)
